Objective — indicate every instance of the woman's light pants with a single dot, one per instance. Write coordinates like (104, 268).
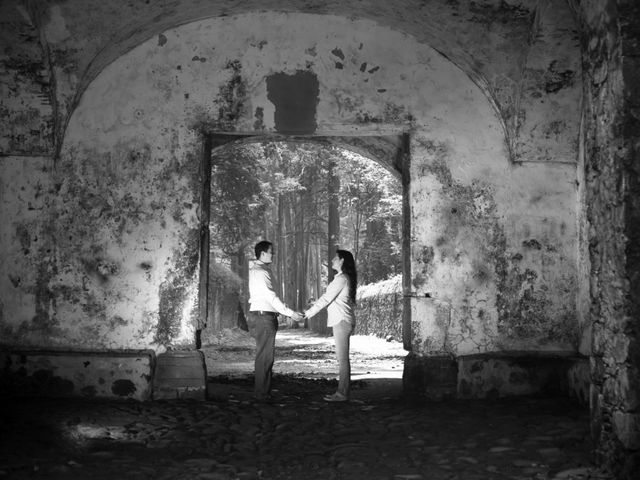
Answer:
(341, 335)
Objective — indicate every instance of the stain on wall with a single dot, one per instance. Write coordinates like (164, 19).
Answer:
(27, 108)
(231, 98)
(295, 97)
(229, 105)
(123, 388)
(549, 77)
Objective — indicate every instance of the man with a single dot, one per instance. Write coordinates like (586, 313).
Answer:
(264, 307)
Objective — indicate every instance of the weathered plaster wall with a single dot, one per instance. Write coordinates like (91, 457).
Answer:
(492, 242)
(523, 53)
(494, 250)
(127, 236)
(542, 109)
(27, 258)
(72, 234)
(177, 83)
(27, 109)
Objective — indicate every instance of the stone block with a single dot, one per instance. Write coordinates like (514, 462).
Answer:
(629, 381)
(598, 369)
(180, 374)
(627, 429)
(433, 377)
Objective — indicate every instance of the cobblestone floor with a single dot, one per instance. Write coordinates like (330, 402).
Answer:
(378, 435)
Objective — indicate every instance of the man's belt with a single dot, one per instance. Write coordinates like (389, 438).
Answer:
(262, 312)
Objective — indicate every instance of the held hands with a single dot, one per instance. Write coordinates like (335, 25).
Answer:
(297, 316)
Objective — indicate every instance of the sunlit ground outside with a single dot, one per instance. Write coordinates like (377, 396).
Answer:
(305, 354)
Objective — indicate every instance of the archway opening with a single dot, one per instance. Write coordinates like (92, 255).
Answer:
(308, 196)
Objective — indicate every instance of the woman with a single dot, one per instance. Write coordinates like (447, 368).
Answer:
(340, 301)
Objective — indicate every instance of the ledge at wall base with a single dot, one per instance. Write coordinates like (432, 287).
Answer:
(113, 374)
(496, 375)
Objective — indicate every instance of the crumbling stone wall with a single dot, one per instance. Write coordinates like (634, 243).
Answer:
(610, 38)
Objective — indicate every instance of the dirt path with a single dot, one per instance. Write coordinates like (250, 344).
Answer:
(302, 355)
(305, 354)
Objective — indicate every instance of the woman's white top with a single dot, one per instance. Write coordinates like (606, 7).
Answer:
(336, 299)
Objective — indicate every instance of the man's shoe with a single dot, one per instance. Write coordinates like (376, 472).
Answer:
(336, 397)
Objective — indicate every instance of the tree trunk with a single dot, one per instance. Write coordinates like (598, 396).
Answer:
(278, 246)
(318, 273)
(241, 267)
(290, 255)
(333, 230)
(302, 251)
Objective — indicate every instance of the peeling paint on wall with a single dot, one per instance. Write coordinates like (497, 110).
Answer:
(26, 90)
(527, 304)
(229, 102)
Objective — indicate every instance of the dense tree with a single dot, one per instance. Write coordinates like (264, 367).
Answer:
(333, 213)
(371, 205)
(238, 202)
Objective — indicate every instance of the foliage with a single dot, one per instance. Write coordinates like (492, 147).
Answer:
(385, 287)
(237, 200)
(223, 277)
(279, 191)
(372, 208)
(380, 257)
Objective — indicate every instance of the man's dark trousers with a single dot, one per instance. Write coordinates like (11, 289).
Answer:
(263, 327)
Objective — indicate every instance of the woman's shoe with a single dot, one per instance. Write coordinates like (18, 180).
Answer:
(336, 397)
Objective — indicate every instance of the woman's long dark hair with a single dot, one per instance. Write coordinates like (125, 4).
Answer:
(349, 269)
